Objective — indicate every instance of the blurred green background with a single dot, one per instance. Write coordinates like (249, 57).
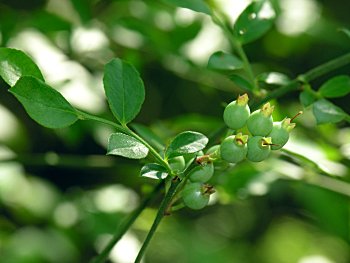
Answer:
(61, 198)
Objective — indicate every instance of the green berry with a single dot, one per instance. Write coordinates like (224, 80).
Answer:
(260, 121)
(280, 133)
(202, 173)
(258, 148)
(237, 112)
(196, 195)
(220, 164)
(234, 148)
(177, 164)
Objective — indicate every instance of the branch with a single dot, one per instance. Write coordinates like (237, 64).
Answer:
(126, 225)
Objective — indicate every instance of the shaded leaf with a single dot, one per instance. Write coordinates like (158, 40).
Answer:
(306, 98)
(15, 64)
(147, 134)
(186, 142)
(224, 61)
(345, 31)
(126, 146)
(254, 21)
(124, 90)
(195, 5)
(44, 104)
(326, 112)
(241, 82)
(154, 171)
(335, 87)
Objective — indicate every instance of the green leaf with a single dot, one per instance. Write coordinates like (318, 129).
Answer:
(186, 142)
(326, 112)
(335, 87)
(254, 21)
(154, 171)
(126, 146)
(124, 90)
(224, 61)
(15, 64)
(345, 31)
(306, 98)
(273, 78)
(44, 104)
(195, 5)
(241, 82)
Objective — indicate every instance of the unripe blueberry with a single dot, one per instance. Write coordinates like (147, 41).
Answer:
(237, 112)
(258, 148)
(177, 164)
(280, 133)
(220, 164)
(234, 148)
(260, 121)
(196, 195)
(202, 173)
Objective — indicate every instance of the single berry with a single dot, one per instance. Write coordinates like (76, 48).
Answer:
(260, 121)
(234, 148)
(258, 148)
(280, 133)
(202, 173)
(196, 195)
(177, 164)
(237, 112)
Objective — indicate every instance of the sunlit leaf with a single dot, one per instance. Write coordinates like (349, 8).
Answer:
(195, 5)
(254, 21)
(124, 90)
(273, 78)
(335, 87)
(154, 171)
(44, 104)
(126, 146)
(326, 112)
(15, 64)
(186, 142)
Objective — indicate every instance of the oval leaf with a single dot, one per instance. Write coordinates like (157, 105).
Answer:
(254, 21)
(44, 104)
(15, 64)
(224, 61)
(126, 146)
(326, 112)
(273, 79)
(306, 98)
(195, 5)
(241, 82)
(124, 90)
(186, 142)
(154, 171)
(335, 87)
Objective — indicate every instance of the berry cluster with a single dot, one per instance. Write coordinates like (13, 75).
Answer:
(263, 135)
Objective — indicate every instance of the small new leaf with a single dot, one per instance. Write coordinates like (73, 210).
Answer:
(186, 142)
(124, 145)
(326, 112)
(254, 21)
(124, 90)
(335, 87)
(224, 61)
(44, 104)
(15, 64)
(154, 171)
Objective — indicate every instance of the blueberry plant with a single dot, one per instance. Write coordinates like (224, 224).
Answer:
(187, 165)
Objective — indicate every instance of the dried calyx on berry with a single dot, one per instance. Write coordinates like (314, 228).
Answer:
(237, 112)
(259, 148)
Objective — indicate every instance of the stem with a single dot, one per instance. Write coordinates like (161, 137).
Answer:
(306, 77)
(239, 49)
(126, 130)
(126, 225)
(161, 213)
